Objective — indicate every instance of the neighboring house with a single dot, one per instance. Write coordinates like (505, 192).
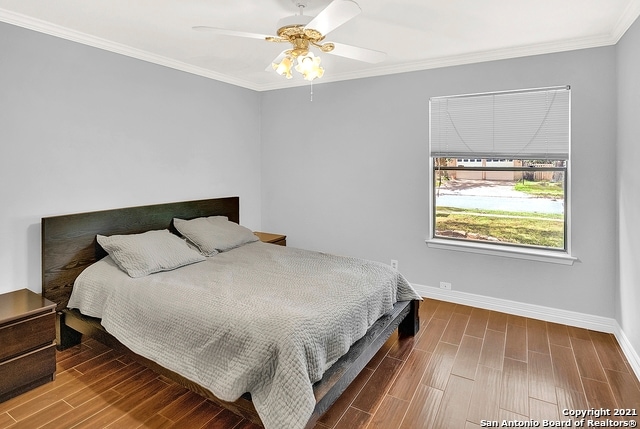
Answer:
(495, 175)
(486, 175)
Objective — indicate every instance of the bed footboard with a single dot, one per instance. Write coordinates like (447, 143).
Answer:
(410, 326)
(337, 378)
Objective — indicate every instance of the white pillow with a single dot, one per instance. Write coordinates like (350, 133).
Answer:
(141, 254)
(214, 234)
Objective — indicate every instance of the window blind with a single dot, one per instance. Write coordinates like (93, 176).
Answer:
(526, 124)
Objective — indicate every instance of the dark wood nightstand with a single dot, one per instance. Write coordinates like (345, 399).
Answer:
(267, 237)
(27, 335)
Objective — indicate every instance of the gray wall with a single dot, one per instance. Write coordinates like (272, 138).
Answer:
(347, 173)
(84, 129)
(628, 184)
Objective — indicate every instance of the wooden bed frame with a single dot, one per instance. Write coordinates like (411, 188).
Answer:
(69, 245)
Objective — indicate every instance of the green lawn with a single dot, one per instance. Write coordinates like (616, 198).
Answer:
(539, 229)
(541, 189)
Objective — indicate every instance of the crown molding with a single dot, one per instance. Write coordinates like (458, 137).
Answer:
(118, 48)
(629, 16)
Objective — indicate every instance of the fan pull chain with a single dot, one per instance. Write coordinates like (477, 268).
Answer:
(311, 86)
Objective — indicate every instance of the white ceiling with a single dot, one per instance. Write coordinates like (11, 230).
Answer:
(415, 34)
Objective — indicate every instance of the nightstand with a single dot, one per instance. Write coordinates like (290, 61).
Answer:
(27, 335)
(267, 237)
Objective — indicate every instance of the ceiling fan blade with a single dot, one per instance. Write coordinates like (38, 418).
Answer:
(333, 16)
(226, 32)
(356, 53)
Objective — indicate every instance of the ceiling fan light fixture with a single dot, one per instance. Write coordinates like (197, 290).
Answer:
(309, 66)
(284, 68)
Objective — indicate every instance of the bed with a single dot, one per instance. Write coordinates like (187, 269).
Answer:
(69, 246)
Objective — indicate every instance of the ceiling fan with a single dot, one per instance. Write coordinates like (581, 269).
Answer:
(304, 32)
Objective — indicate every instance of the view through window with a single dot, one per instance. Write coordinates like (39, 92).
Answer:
(500, 167)
(509, 201)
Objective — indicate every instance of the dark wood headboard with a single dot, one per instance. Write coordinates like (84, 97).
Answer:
(69, 242)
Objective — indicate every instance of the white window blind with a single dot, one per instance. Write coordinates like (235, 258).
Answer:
(526, 124)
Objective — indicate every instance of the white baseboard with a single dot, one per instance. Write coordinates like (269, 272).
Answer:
(628, 350)
(548, 314)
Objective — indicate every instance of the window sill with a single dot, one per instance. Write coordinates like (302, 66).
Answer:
(503, 251)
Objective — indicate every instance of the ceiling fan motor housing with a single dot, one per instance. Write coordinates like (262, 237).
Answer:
(293, 29)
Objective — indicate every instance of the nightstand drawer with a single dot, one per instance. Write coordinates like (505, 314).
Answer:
(27, 342)
(20, 373)
(27, 334)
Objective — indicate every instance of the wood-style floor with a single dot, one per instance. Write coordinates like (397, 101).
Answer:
(465, 366)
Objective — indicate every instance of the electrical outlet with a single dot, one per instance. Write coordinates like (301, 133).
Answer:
(445, 285)
(394, 264)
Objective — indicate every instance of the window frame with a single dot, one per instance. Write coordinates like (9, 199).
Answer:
(511, 250)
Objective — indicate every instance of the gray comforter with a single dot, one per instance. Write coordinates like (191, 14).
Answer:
(263, 319)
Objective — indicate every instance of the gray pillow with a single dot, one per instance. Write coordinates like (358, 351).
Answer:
(150, 252)
(214, 234)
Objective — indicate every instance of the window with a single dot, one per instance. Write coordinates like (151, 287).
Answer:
(500, 169)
